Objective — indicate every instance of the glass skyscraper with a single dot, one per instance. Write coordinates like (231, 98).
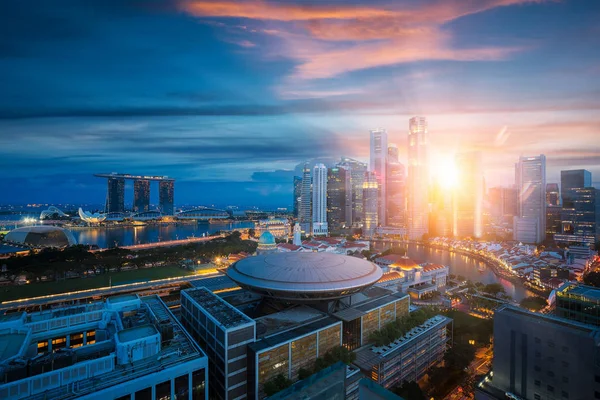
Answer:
(418, 178)
(141, 195)
(115, 198)
(378, 165)
(166, 194)
(573, 179)
(319, 200)
(530, 175)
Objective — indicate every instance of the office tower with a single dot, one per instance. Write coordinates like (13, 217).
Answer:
(396, 189)
(468, 196)
(357, 177)
(123, 347)
(115, 199)
(223, 332)
(418, 178)
(305, 211)
(319, 200)
(580, 217)
(552, 194)
(578, 302)
(166, 194)
(141, 195)
(530, 224)
(377, 165)
(441, 215)
(573, 179)
(553, 220)
(370, 205)
(539, 356)
(297, 195)
(510, 201)
(338, 183)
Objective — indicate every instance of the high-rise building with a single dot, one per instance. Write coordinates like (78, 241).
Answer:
(370, 205)
(468, 196)
(297, 195)
(319, 200)
(578, 302)
(141, 195)
(377, 165)
(530, 175)
(552, 194)
(418, 178)
(166, 191)
(539, 356)
(580, 216)
(510, 201)
(573, 179)
(115, 199)
(357, 177)
(441, 215)
(396, 189)
(338, 183)
(553, 220)
(305, 211)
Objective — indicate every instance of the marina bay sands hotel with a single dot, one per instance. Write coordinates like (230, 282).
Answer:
(115, 197)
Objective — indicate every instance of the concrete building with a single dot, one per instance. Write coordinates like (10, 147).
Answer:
(406, 275)
(409, 357)
(539, 356)
(279, 227)
(418, 178)
(530, 177)
(319, 201)
(123, 348)
(357, 177)
(370, 204)
(378, 166)
(305, 216)
(468, 196)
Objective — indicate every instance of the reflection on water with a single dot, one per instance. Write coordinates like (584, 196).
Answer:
(106, 237)
(469, 268)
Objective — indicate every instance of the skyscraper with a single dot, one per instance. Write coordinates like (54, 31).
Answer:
(573, 179)
(319, 200)
(166, 194)
(552, 194)
(306, 200)
(580, 218)
(115, 198)
(357, 177)
(530, 224)
(297, 196)
(378, 165)
(418, 178)
(468, 196)
(396, 189)
(338, 179)
(370, 206)
(141, 195)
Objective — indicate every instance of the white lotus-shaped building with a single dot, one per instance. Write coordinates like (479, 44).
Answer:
(90, 218)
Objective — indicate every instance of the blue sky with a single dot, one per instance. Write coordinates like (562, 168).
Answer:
(229, 97)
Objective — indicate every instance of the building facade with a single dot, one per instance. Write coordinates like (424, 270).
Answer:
(319, 201)
(297, 200)
(357, 178)
(141, 195)
(396, 189)
(305, 216)
(378, 165)
(468, 196)
(552, 195)
(578, 302)
(530, 176)
(580, 217)
(338, 185)
(115, 197)
(573, 179)
(166, 197)
(370, 204)
(418, 178)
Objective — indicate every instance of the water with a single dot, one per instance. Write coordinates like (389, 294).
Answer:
(107, 237)
(467, 267)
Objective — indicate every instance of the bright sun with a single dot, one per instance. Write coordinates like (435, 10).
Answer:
(445, 172)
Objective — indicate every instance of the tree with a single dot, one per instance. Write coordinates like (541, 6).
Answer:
(276, 384)
(533, 303)
(409, 391)
(461, 278)
(251, 232)
(493, 289)
(592, 279)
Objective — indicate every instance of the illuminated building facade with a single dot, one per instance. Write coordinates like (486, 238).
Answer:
(378, 166)
(166, 197)
(297, 196)
(468, 196)
(115, 198)
(357, 178)
(552, 195)
(573, 179)
(553, 220)
(580, 216)
(396, 189)
(305, 211)
(530, 176)
(418, 178)
(141, 195)
(370, 202)
(338, 186)
(319, 200)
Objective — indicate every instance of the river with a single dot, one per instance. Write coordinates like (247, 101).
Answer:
(107, 237)
(467, 267)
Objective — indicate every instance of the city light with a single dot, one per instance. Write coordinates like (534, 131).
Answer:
(445, 172)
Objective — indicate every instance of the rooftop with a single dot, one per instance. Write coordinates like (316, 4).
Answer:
(588, 293)
(290, 318)
(131, 334)
(224, 313)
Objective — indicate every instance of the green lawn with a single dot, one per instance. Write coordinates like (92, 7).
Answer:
(69, 285)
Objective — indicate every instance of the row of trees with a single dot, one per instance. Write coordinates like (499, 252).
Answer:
(399, 327)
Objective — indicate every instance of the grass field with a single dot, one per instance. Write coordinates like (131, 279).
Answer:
(69, 285)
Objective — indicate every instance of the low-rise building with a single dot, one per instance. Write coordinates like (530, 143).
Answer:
(578, 303)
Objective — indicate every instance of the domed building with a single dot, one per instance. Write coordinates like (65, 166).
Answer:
(266, 243)
(41, 236)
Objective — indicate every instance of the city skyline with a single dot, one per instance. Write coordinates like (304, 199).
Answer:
(221, 125)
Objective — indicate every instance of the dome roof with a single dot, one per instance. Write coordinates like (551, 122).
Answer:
(304, 276)
(405, 263)
(266, 238)
(41, 236)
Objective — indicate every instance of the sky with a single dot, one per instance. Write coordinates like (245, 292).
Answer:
(229, 97)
